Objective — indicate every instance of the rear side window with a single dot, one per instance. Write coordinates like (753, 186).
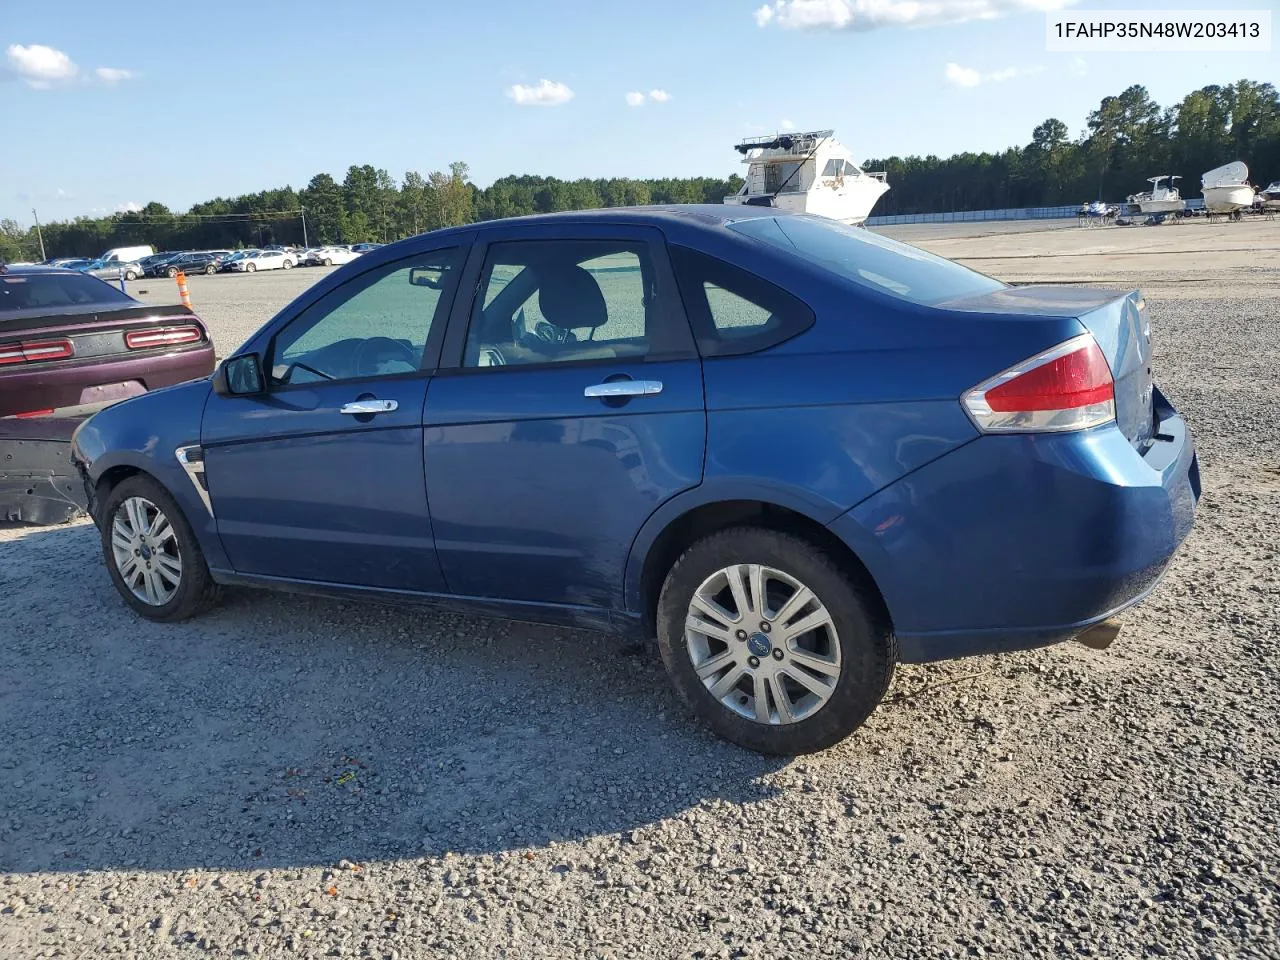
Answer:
(869, 259)
(52, 291)
(732, 311)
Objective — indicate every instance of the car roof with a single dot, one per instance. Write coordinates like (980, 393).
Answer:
(41, 268)
(706, 216)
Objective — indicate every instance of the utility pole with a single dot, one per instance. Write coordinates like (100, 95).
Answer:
(39, 235)
(304, 228)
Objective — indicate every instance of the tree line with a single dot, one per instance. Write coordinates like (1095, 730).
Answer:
(1126, 140)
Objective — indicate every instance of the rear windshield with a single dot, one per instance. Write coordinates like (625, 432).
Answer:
(869, 259)
(53, 291)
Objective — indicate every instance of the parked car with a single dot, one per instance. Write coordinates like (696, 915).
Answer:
(365, 247)
(111, 269)
(204, 261)
(157, 266)
(264, 260)
(229, 261)
(307, 257)
(328, 256)
(796, 452)
(70, 343)
(67, 263)
(148, 263)
(128, 254)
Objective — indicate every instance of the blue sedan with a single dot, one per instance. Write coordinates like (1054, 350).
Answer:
(796, 452)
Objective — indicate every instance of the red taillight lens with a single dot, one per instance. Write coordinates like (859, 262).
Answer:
(1066, 388)
(36, 351)
(164, 337)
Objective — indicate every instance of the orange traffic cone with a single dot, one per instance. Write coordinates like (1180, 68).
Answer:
(182, 289)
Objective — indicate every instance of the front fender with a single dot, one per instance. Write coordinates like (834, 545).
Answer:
(142, 434)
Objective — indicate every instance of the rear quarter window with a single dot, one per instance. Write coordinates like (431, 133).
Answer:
(869, 259)
(732, 311)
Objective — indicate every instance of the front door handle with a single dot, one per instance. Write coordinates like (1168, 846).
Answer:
(368, 407)
(623, 388)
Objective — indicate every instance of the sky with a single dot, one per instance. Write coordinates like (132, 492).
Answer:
(107, 108)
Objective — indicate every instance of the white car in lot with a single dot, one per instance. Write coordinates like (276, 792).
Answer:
(328, 256)
(264, 260)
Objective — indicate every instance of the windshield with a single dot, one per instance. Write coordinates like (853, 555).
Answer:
(868, 258)
(35, 291)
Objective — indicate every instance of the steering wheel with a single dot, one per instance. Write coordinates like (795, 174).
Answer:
(375, 351)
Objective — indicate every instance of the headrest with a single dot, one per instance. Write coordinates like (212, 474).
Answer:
(569, 297)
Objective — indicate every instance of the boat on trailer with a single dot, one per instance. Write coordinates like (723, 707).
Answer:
(1227, 190)
(809, 172)
(1270, 197)
(1160, 198)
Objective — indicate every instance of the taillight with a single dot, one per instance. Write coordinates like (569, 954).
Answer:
(36, 351)
(164, 337)
(1068, 387)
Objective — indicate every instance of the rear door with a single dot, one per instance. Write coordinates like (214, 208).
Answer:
(321, 477)
(574, 409)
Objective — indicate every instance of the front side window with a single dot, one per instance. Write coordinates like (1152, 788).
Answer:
(374, 325)
(869, 259)
(562, 301)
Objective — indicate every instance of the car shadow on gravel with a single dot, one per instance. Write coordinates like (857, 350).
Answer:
(285, 731)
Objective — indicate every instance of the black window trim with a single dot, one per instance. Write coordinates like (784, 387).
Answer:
(670, 303)
(699, 310)
(435, 336)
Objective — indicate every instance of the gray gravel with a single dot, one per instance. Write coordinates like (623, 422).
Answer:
(296, 776)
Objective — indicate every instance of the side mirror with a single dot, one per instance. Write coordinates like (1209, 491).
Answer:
(432, 277)
(239, 376)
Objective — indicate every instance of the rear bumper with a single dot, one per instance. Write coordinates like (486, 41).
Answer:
(1013, 542)
(70, 384)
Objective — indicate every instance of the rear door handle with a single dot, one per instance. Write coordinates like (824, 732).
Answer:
(624, 388)
(367, 407)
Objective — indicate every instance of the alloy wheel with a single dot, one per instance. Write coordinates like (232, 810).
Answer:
(144, 546)
(763, 644)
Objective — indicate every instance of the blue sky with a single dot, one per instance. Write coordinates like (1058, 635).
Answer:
(182, 102)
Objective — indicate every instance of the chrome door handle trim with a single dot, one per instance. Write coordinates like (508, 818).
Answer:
(366, 407)
(624, 388)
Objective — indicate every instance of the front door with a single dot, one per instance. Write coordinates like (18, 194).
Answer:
(575, 410)
(321, 478)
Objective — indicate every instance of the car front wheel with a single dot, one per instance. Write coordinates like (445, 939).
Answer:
(130, 275)
(771, 643)
(153, 557)
(250, 268)
(210, 270)
(287, 265)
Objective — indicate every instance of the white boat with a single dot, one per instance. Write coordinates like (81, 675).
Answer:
(1160, 199)
(807, 173)
(1226, 189)
(1271, 196)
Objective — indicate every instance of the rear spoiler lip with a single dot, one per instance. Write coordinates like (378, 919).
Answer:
(89, 320)
(1056, 301)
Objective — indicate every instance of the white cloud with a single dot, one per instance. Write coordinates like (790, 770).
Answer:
(659, 96)
(873, 14)
(113, 74)
(787, 124)
(547, 93)
(129, 206)
(1079, 66)
(39, 66)
(635, 99)
(958, 76)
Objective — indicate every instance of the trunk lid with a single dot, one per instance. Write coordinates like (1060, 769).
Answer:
(1119, 323)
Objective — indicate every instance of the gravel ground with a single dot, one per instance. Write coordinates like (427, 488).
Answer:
(296, 776)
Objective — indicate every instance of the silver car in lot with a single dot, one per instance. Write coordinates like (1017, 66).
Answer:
(112, 269)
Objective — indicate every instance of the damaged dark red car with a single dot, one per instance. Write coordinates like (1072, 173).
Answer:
(71, 344)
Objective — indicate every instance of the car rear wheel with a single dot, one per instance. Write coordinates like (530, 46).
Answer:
(153, 557)
(328, 261)
(210, 270)
(771, 643)
(287, 265)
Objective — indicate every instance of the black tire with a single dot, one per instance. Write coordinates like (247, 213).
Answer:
(250, 268)
(172, 272)
(868, 648)
(196, 589)
(287, 265)
(130, 275)
(210, 270)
